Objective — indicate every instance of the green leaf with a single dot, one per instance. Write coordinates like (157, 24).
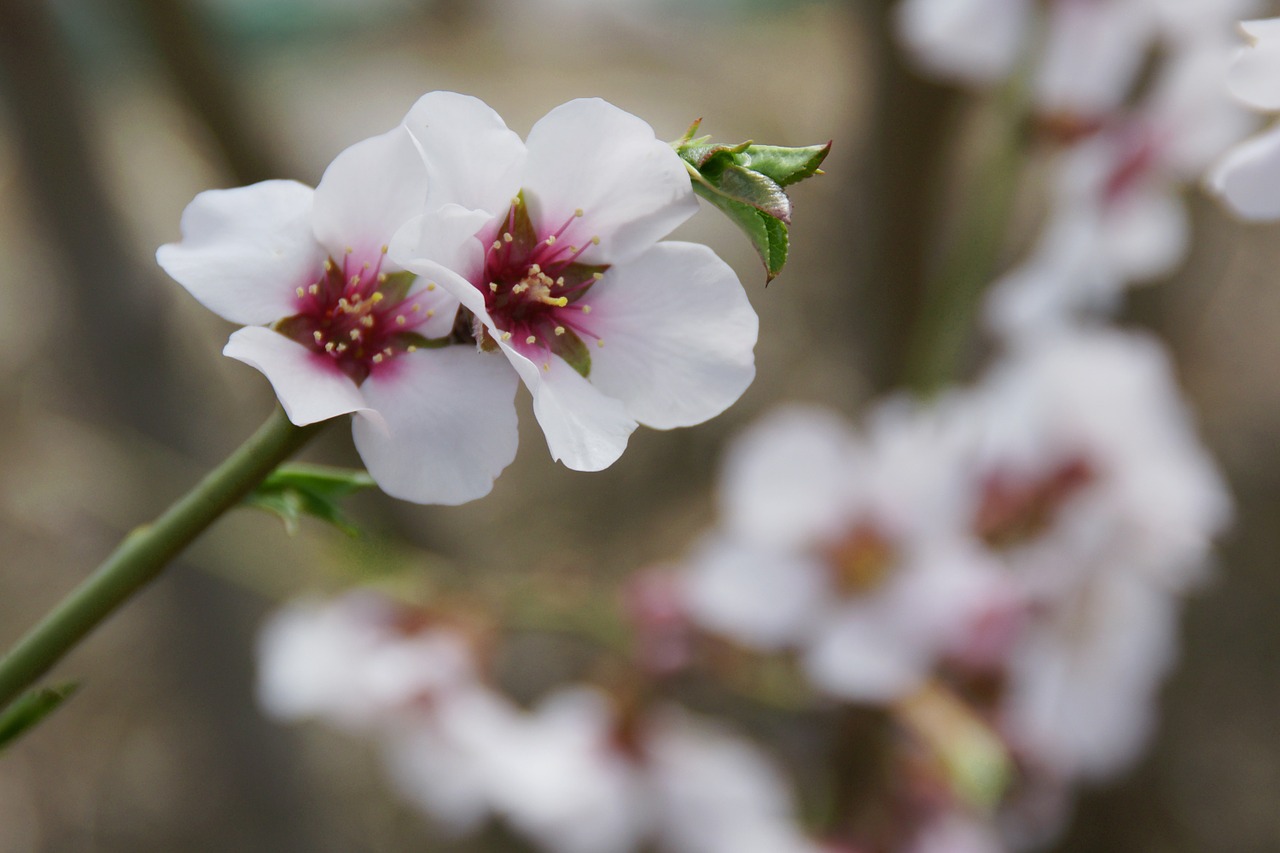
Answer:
(746, 182)
(785, 166)
(768, 235)
(30, 709)
(752, 188)
(297, 489)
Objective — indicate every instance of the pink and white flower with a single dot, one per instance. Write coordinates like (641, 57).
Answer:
(565, 275)
(338, 327)
(846, 549)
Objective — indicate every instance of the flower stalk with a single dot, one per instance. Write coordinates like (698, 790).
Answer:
(145, 552)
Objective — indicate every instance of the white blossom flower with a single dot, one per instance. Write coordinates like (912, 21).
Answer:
(338, 327)
(846, 550)
(606, 326)
(1090, 463)
(355, 661)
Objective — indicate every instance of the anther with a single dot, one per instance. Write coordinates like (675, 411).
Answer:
(506, 336)
(431, 285)
(595, 241)
(431, 312)
(384, 249)
(597, 275)
(377, 358)
(578, 212)
(497, 244)
(313, 289)
(318, 335)
(382, 278)
(328, 347)
(507, 237)
(551, 241)
(400, 321)
(559, 331)
(328, 265)
(493, 287)
(417, 306)
(355, 334)
(367, 321)
(411, 348)
(377, 297)
(599, 342)
(532, 339)
(300, 292)
(586, 309)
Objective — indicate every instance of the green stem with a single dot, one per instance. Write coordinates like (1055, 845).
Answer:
(144, 553)
(945, 324)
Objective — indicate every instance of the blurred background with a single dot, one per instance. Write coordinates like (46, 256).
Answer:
(114, 398)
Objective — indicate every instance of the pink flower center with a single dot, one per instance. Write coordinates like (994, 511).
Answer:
(533, 285)
(358, 316)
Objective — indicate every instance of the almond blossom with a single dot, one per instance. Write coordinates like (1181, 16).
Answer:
(338, 327)
(565, 275)
(844, 549)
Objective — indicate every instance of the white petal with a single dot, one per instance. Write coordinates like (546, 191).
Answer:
(1255, 74)
(762, 598)
(450, 425)
(245, 251)
(1092, 55)
(976, 41)
(444, 236)
(859, 656)
(790, 477)
(632, 187)
(309, 386)
(472, 158)
(585, 430)
(368, 192)
(1248, 177)
(1146, 233)
(678, 335)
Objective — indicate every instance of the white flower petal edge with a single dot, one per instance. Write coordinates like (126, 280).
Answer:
(678, 336)
(585, 429)
(310, 388)
(1254, 77)
(472, 158)
(368, 192)
(1248, 177)
(450, 426)
(632, 187)
(244, 250)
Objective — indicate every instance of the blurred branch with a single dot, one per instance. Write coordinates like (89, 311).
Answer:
(945, 325)
(180, 38)
(897, 198)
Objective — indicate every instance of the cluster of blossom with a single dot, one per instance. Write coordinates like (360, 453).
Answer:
(1132, 94)
(1021, 545)
(439, 264)
(579, 773)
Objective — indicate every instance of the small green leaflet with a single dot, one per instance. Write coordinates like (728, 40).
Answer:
(746, 181)
(297, 489)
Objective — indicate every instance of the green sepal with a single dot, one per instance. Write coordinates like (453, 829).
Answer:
(297, 489)
(571, 348)
(30, 709)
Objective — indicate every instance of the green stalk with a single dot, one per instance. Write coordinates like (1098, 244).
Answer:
(145, 552)
(945, 324)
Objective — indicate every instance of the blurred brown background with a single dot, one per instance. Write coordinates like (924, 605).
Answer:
(113, 396)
